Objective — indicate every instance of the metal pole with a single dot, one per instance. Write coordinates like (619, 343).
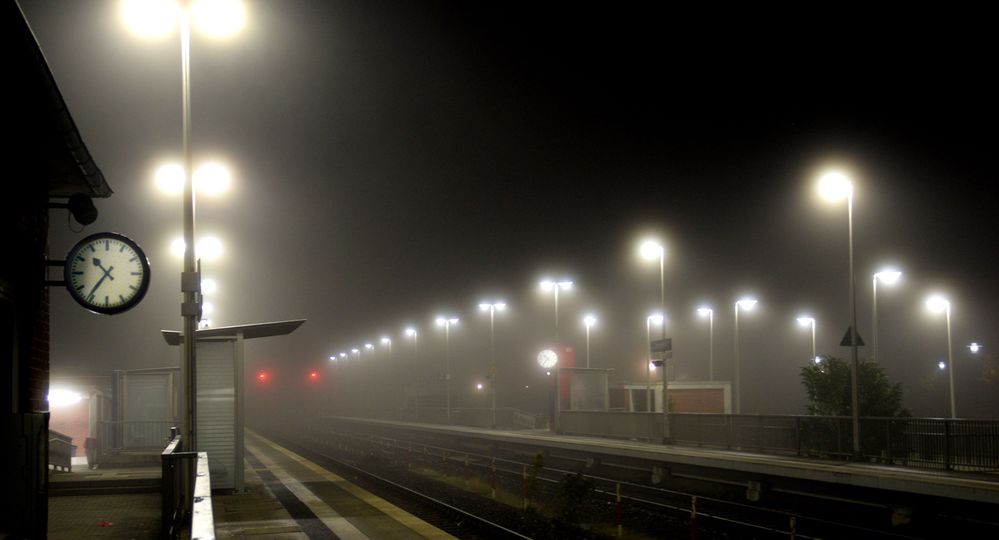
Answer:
(813, 340)
(711, 345)
(950, 366)
(556, 314)
(874, 317)
(854, 365)
(416, 371)
(587, 346)
(662, 335)
(190, 281)
(492, 360)
(447, 368)
(648, 384)
(738, 391)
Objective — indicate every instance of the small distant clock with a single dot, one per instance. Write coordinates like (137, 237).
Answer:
(106, 273)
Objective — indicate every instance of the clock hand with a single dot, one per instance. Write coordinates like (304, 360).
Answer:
(98, 284)
(107, 272)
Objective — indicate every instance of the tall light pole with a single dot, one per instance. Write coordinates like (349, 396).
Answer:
(805, 320)
(710, 314)
(548, 285)
(589, 321)
(888, 277)
(834, 186)
(446, 322)
(413, 333)
(492, 308)
(655, 318)
(153, 18)
(939, 304)
(387, 341)
(746, 304)
(651, 250)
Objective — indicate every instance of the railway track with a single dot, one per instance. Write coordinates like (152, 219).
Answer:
(638, 506)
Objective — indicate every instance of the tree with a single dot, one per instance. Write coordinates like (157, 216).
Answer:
(827, 386)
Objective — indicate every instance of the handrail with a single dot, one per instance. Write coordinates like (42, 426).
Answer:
(187, 492)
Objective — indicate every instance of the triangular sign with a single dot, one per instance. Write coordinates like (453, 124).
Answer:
(846, 339)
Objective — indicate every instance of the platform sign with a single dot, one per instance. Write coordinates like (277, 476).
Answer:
(847, 342)
(662, 345)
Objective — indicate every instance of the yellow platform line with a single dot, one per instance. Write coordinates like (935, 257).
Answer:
(412, 522)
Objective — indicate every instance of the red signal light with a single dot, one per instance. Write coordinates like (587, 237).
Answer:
(262, 376)
(313, 375)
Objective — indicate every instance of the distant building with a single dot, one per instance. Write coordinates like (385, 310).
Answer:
(45, 161)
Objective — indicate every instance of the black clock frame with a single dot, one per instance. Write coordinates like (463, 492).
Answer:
(143, 287)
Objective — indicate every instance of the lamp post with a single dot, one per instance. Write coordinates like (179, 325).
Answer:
(939, 304)
(805, 320)
(446, 322)
(412, 332)
(655, 318)
(746, 304)
(554, 287)
(159, 19)
(492, 308)
(385, 340)
(710, 314)
(835, 186)
(589, 320)
(888, 277)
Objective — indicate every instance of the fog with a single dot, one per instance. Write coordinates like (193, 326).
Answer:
(393, 163)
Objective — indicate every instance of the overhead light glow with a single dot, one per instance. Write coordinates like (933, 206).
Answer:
(209, 248)
(547, 359)
(656, 318)
(747, 303)
(888, 277)
(218, 18)
(942, 365)
(169, 178)
(806, 321)
(937, 304)
(835, 186)
(178, 247)
(704, 311)
(589, 320)
(212, 178)
(149, 18)
(411, 332)
(651, 250)
(209, 286)
(61, 397)
(974, 348)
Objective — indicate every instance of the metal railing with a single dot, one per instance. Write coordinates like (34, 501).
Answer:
(187, 493)
(134, 435)
(968, 445)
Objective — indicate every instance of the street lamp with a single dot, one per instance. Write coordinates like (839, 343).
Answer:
(385, 340)
(888, 277)
(710, 314)
(835, 186)
(652, 250)
(655, 318)
(446, 322)
(939, 304)
(411, 332)
(222, 18)
(747, 304)
(492, 308)
(369, 347)
(589, 321)
(809, 321)
(554, 287)
(974, 348)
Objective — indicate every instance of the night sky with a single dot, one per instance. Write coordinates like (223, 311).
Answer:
(396, 159)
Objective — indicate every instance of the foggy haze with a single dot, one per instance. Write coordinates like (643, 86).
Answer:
(395, 162)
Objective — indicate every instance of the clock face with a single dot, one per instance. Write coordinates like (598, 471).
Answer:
(106, 273)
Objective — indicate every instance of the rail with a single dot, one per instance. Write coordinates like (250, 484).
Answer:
(133, 435)
(187, 493)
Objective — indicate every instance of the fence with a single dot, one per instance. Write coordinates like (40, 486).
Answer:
(971, 445)
(134, 435)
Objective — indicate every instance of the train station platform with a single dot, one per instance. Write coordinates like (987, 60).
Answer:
(981, 487)
(287, 497)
